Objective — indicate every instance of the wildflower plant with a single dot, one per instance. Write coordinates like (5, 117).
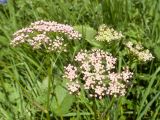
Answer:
(92, 71)
(48, 35)
(32, 86)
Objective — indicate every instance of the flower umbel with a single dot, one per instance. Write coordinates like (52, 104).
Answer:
(139, 51)
(94, 73)
(43, 34)
(108, 34)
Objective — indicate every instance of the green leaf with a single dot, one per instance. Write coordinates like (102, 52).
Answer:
(89, 34)
(2, 98)
(3, 41)
(43, 87)
(61, 104)
(156, 51)
(14, 96)
(41, 10)
(60, 94)
(67, 103)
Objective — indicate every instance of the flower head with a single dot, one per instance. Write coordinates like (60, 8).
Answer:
(94, 73)
(107, 34)
(70, 72)
(45, 34)
(138, 50)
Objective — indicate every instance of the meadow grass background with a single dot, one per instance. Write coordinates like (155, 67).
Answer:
(30, 82)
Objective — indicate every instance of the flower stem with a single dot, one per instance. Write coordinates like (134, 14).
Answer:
(106, 111)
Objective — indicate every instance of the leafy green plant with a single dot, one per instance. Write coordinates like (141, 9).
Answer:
(31, 82)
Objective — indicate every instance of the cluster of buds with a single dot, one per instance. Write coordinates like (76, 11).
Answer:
(95, 74)
(107, 34)
(43, 34)
(138, 50)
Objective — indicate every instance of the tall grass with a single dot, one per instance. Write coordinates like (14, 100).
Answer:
(31, 86)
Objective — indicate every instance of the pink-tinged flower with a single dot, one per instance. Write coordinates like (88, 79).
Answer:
(114, 76)
(118, 82)
(70, 72)
(57, 45)
(73, 87)
(116, 88)
(100, 90)
(126, 74)
(96, 76)
(38, 35)
(80, 56)
(56, 27)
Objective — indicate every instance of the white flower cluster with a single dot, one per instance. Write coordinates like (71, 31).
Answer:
(107, 34)
(138, 50)
(43, 34)
(95, 75)
(118, 82)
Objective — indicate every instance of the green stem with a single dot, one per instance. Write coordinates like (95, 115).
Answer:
(106, 111)
(95, 109)
(61, 117)
(49, 90)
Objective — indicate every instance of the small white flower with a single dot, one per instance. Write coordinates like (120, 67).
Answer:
(93, 74)
(139, 51)
(108, 34)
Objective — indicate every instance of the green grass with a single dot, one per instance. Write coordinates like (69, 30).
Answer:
(31, 82)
